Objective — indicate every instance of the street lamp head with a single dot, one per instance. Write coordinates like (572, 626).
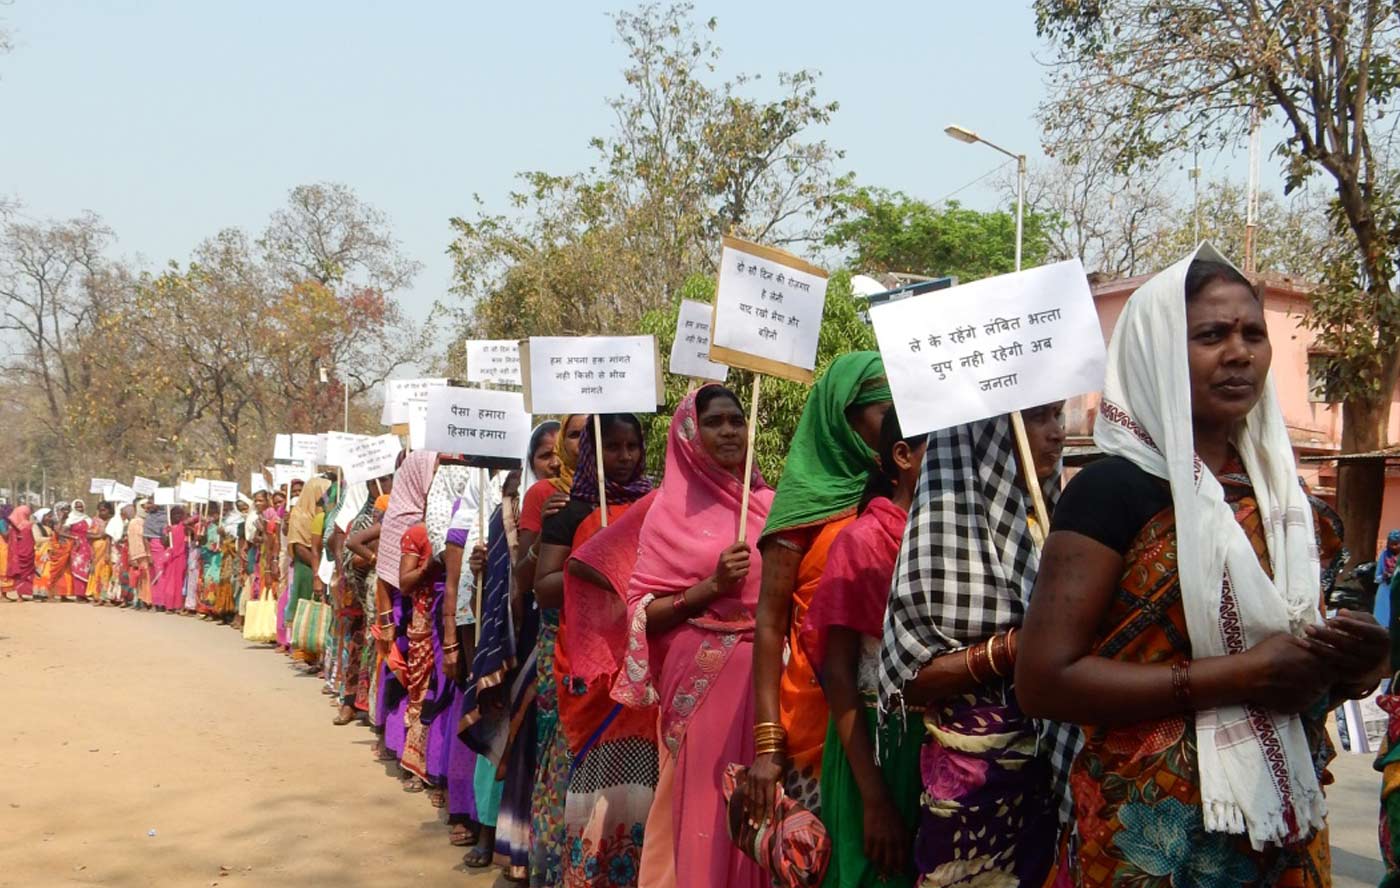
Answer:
(961, 133)
(325, 377)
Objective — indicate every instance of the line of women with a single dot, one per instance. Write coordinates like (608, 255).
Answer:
(894, 669)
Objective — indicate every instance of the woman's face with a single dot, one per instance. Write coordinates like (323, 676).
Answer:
(297, 487)
(1045, 429)
(1228, 352)
(260, 501)
(279, 500)
(104, 511)
(544, 462)
(724, 432)
(572, 433)
(866, 420)
(622, 451)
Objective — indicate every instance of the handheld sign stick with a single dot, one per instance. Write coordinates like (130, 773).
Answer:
(481, 535)
(748, 462)
(1023, 449)
(602, 481)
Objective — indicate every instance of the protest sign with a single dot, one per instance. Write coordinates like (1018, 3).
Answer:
(223, 491)
(591, 374)
(690, 350)
(285, 473)
(768, 311)
(164, 496)
(495, 361)
(322, 443)
(196, 491)
(991, 347)
(305, 448)
(417, 424)
(336, 444)
(120, 493)
(371, 458)
(492, 425)
(144, 486)
(257, 483)
(282, 447)
(100, 485)
(399, 392)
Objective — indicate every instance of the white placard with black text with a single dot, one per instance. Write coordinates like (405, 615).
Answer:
(690, 350)
(767, 308)
(223, 491)
(371, 458)
(477, 422)
(592, 374)
(496, 361)
(399, 392)
(100, 485)
(164, 496)
(144, 486)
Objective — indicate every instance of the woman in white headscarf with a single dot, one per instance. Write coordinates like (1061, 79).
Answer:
(1177, 614)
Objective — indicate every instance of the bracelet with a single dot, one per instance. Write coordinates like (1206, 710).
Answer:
(1181, 683)
(972, 670)
(678, 602)
(769, 737)
(992, 660)
(450, 647)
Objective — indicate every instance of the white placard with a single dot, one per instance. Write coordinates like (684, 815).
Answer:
(257, 483)
(371, 458)
(285, 473)
(399, 392)
(690, 350)
(493, 360)
(100, 485)
(192, 492)
(768, 307)
(336, 444)
(990, 347)
(477, 422)
(282, 447)
(144, 486)
(223, 491)
(418, 423)
(305, 448)
(592, 374)
(120, 493)
(164, 496)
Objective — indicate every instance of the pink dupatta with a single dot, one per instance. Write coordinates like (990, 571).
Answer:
(695, 517)
(406, 504)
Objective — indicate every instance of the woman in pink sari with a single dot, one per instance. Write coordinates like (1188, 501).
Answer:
(689, 650)
(19, 568)
(77, 526)
(170, 594)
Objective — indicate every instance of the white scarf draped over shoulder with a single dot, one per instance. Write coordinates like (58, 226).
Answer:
(1255, 765)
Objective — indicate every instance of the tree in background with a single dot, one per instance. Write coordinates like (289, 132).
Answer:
(1143, 80)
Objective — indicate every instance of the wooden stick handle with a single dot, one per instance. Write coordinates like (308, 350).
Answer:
(1028, 473)
(602, 481)
(748, 462)
(480, 535)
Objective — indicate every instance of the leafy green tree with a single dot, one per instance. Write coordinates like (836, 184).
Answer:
(888, 231)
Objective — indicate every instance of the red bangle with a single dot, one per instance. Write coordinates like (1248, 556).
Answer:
(678, 602)
(1181, 683)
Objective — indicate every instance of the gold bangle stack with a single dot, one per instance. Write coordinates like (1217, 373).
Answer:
(768, 738)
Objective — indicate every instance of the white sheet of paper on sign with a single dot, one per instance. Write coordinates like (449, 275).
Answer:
(164, 496)
(305, 448)
(690, 350)
(120, 493)
(223, 491)
(418, 424)
(336, 444)
(399, 392)
(144, 486)
(494, 361)
(592, 374)
(256, 482)
(282, 447)
(768, 311)
(990, 347)
(100, 485)
(371, 458)
(477, 423)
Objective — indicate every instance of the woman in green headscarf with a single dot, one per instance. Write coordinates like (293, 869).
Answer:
(827, 465)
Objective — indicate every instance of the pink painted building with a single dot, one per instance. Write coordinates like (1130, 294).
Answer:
(1314, 422)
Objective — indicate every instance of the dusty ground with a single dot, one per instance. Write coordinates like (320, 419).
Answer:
(118, 723)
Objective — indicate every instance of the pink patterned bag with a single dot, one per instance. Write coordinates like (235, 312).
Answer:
(793, 849)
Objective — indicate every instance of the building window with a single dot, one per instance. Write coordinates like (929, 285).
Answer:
(1323, 382)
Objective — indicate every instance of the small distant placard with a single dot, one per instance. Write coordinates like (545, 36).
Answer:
(592, 374)
(990, 347)
(120, 493)
(321, 445)
(398, 393)
(768, 311)
(256, 482)
(164, 496)
(371, 458)
(495, 361)
(144, 486)
(282, 447)
(196, 491)
(489, 425)
(690, 350)
(100, 485)
(305, 448)
(418, 424)
(223, 491)
(336, 444)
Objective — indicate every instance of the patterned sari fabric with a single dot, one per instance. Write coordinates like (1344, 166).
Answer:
(55, 572)
(552, 770)
(1388, 763)
(100, 576)
(1137, 786)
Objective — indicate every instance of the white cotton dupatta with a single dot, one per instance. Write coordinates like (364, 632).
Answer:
(1255, 765)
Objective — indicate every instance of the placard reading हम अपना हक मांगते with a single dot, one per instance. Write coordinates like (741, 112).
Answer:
(592, 374)
(494, 361)
(768, 311)
(690, 350)
(991, 347)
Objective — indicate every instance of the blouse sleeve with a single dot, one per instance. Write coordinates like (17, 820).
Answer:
(1110, 501)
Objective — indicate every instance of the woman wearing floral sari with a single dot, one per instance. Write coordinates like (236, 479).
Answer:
(1178, 612)
(19, 567)
(76, 528)
(304, 550)
(581, 707)
(689, 645)
(43, 534)
(831, 455)
(100, 550)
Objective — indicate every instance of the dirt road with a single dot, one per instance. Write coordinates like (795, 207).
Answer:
(139, 749)
(118, 724)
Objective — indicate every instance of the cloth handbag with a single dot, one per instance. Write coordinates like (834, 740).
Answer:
(260, 620)
(793, 849)
(310, 625)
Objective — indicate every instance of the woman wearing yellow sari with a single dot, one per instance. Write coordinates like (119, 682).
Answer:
(100, 572)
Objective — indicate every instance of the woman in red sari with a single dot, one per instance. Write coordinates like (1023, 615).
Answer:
(77, 526)
(19, 569)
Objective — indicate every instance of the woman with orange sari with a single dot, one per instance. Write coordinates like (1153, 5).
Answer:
(100, 548)
(7, 586)
(828, 463)
(54, 547)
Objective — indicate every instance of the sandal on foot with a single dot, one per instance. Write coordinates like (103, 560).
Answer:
(414, 784)
(477, 858)
(343, 719)
(437, 796)
(463, 836)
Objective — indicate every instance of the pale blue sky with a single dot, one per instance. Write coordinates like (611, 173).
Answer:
(174, 118)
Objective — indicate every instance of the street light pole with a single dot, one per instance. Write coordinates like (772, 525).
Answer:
(967, 136)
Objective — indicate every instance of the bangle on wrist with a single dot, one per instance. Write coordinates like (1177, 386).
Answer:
(1181, 684)
(678, 602)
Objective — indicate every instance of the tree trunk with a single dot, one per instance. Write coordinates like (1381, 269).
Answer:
(1361, 485)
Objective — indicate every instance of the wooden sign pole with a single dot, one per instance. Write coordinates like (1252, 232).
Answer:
(748, 463)
(481, 535)
(602, 481)
(1028, 473)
